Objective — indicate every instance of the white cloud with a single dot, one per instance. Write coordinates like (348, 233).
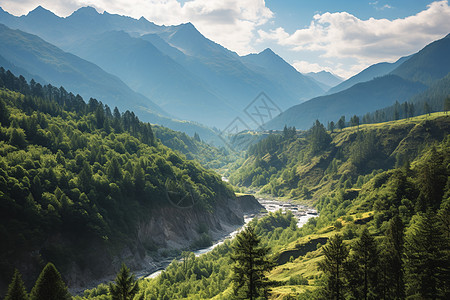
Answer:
(305, 67)
(231, 23)
(342, 35)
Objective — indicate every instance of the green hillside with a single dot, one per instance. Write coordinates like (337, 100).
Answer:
(301, 165)
(76, 177)
(393, 208)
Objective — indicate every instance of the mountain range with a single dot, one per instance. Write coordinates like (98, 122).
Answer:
(374, 88)
(186, 74)
(171, 73)
(327, 79)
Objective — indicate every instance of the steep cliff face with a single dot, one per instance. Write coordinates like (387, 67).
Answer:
(166, 228)
(176, 228)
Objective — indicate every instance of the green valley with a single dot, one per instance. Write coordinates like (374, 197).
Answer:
(257, 150)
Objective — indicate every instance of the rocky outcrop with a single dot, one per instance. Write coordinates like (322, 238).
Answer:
(166, 228)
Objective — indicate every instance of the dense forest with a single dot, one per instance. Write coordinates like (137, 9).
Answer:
(74, 174)
(382, 233)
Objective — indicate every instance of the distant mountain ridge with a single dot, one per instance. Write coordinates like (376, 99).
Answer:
(30, 56)
(38, 57)
(376, 70)
(412, 76)
(194, 78)
(327, 78)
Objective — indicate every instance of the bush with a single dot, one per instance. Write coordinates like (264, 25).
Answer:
(298, 280)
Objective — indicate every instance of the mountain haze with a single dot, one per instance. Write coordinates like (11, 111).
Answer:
(411, 76)
(327, 78)
(191, 77)
(376, 70)
(38, 57)
(359, 99)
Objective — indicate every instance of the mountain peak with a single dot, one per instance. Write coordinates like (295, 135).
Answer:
(268, 51)
(40, 11)
(86, 11)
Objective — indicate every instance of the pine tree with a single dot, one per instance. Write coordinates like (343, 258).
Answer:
(391, 261)
(426, 263)
(125, 286)
(426, 108)
(447, 105)
(341, 123)
(331, 126)
(364, 267)
(336, 254)
(49, 285)
(432, 180)
(16, 289)
(4, 114)
(250, 265)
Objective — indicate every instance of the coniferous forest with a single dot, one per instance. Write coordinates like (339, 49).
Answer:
(142, 160)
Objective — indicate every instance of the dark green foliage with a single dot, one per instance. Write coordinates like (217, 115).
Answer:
(319, 138)
(361, 271)
(193, 147)
(250, 265)
(16, 289)
(210, 274)
(125, 285)
(426, 258)
(4, 114)
(341, 122)
(336, 255)
(49, 285)
(432, 179)
(61, 175)
(391, 264)
(447, 105)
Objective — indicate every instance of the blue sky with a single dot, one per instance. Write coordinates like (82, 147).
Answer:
(343, 37)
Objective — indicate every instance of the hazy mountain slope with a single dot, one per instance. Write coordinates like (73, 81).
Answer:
(62, 32)
(326, 78)
(359, 99)
(59, 68)
(429, 64)
(17, 70)
(413, 76)
(148, 71)
(217, 70)
(376, 70)
(434, 97)
(279, 71)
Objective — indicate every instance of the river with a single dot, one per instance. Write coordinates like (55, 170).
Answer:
(301, 212)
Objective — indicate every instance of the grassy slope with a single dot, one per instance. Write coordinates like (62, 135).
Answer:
(395, 140)
(397, 137)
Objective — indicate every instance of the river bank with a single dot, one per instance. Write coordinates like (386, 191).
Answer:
(301, 212)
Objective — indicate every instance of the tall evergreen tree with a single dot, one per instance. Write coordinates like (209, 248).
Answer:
(319, 137)
(391, 261)
(447, 105)
(49, 285)
(426, 263)
(432, 180)
(16, 289)
(4, 114)
(125, 286)
(336, 254)
(341, 123)
(250, 265)
(363, 273)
